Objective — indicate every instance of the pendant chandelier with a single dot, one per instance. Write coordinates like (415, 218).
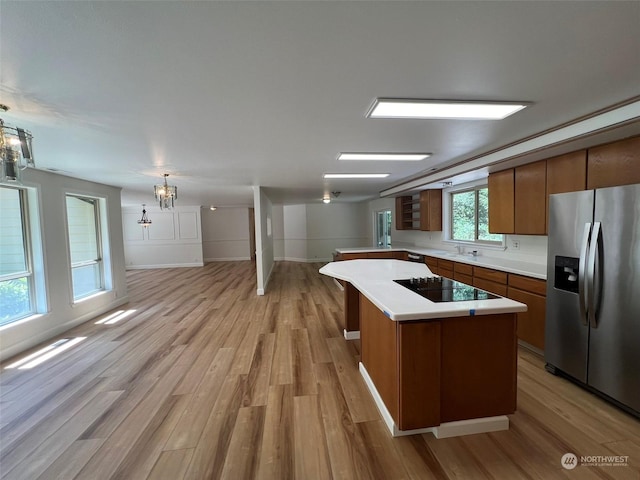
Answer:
(165, 194)
(144, 221)
(16, 152)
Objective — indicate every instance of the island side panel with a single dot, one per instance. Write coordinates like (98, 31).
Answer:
(479, 366)
(419, 374)
(380, 353)
(351, 308)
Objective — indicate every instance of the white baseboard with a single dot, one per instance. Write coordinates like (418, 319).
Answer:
(168, 265)
(226, 259)
(352, 335)
(444, 430)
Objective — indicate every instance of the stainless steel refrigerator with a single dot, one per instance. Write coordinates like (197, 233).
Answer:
(592, 331)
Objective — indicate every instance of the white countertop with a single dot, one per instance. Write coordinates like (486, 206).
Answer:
(534, 270)
(374, 279)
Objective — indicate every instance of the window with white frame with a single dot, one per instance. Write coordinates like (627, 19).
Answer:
(17, 295)
(85, 247)
(469, 220)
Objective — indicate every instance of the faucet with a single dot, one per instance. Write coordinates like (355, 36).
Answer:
(460, 249)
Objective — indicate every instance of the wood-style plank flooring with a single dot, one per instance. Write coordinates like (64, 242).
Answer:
(205, 379)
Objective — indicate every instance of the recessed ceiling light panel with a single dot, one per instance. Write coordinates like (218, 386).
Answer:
(356, 175)
(392, 157)
(441, 109)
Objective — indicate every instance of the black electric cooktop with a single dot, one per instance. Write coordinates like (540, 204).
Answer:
(441, 289)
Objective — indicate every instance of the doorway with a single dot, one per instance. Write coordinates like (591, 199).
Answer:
(252, 234)
(383, 228)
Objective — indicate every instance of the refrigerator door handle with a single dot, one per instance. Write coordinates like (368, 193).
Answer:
(583, 297)
(594, 247)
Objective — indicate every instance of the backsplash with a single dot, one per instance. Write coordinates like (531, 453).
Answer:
(525, 248)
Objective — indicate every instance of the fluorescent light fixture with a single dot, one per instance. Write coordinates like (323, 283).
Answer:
(442, 109)
(356, 175)
(395, 157)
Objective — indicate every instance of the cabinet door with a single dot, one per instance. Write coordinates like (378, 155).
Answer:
(614, 164)
(431, 210)
(501, 201)
(531, 322)
(399, 214)
(531, 199)
(566, 173)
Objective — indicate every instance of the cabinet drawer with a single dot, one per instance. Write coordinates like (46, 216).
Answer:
(463, 268)
(528, 284)
(432, 263)
(462, 277)
(489, 286)
(381, 255)
(446, 264)
(353, 256)
(488, 274)
(400, 255)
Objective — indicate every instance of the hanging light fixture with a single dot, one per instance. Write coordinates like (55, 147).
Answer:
(144, 221)
(165, 193)
(16, 152)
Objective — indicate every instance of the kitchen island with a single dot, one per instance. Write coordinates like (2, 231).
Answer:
(442, 367)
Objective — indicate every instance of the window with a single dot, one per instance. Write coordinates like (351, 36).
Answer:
(383, 228)
(470, 217)
(16, 272)
(83, 223)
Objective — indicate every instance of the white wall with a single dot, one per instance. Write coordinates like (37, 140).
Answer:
(278, 231)
(336, 225)
(264, 238)
(60, 313)
(311, 232)
(174, 238)
(225, 234)
(295, 233)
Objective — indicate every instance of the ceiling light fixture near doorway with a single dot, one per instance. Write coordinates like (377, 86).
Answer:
(442, 109)
(144, 221)
(16, 151)
(356, 175)
(390, 157)
(165, 193)
(326, 199)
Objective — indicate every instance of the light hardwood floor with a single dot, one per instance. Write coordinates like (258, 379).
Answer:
(204, 379)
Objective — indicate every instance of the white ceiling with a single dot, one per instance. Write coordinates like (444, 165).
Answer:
(226, 95)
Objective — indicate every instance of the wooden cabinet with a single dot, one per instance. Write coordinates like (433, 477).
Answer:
(431, 210)
(493, 281)
(432, 263)
(501, 201)
(530, 199)
(463, 273)
(408, 213)
(614, 164)
(566, 173)
(445, 268)
(531, 323)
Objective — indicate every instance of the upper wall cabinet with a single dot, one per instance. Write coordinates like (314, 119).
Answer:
(405, 208)
(431, 210)
(530, 199)
(501, 201)
(566, 173)
(614, 164)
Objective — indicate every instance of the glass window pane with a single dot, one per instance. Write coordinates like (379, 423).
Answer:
(463, 216)
(14, 299)
(83, 239)
(86, 280)
(13, 258)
